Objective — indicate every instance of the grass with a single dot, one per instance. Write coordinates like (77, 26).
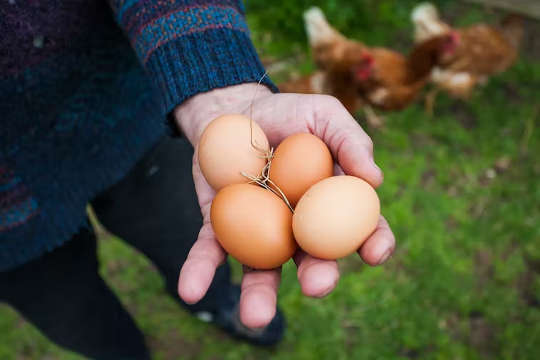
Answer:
(461, 191)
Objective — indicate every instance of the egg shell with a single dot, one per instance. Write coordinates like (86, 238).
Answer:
(225, 150)
(335, 216)
(300, 161)
(253, 225)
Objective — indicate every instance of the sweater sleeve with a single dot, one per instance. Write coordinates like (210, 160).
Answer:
(188, 46)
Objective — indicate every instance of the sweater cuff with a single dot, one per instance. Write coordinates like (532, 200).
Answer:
(203, 61)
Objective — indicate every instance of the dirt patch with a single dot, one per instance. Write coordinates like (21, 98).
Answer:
(481, 334)
(451, 223)
(416, 353)
(503, 164)
(511, 92)
(410, 353)
(525, 283)
(475, 330)
(463, 113)
(422, 140)
(526, 289)
(484, 269)
(174, 346)
(428, 177)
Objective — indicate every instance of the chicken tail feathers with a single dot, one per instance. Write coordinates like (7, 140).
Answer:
(318, 29)
(427, 22)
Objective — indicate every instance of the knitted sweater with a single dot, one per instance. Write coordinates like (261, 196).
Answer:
(84, 93)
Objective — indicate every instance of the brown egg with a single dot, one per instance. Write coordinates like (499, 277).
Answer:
(225, 150)
(300, 161)
(335, 216)
(253, 225)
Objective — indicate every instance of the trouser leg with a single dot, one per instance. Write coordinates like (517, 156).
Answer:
(155, 209)
(62, 294)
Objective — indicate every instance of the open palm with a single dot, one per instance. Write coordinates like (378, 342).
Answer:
(279, 115)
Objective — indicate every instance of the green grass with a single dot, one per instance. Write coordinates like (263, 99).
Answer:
(462, 192)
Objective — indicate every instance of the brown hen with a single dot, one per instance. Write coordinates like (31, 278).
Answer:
(360, 76)
(482, 50)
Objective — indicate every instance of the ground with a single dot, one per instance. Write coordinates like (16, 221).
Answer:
(461, 191)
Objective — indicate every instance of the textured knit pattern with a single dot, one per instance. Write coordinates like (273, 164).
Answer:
(16, 204)
(84, 93)
(189, 46)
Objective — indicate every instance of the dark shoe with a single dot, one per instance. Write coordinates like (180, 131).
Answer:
(228, 318)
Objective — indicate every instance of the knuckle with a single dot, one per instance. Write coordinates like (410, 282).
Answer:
(206, 210)
(258, 279)
(206, 232)
(369, 143)
(332, 101)
(327, 109)
(206, 253)
(195, 158)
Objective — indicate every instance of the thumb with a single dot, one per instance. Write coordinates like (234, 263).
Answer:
(356, 158)
(351, 147)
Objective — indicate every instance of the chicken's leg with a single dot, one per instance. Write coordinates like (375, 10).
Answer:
(372, 118)
(430, 101)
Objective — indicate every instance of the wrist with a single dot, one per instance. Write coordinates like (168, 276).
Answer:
(193, 115)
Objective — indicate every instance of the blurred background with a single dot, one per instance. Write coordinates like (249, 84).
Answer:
(461, 190)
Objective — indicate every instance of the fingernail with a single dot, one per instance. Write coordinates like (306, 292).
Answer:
(385, 256)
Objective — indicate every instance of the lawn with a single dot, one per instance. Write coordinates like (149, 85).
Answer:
(461, 190)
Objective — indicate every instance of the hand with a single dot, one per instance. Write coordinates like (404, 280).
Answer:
(279, 115)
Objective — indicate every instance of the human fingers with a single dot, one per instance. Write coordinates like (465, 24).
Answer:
(258, 298)
(317, 277)
(380, 245)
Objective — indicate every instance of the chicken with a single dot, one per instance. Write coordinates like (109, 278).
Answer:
(327, 44)
(426, 24)
(482, 50)
(391, 81)
(361, 76)
(328, 47)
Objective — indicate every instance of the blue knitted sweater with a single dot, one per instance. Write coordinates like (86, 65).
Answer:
(85, 88)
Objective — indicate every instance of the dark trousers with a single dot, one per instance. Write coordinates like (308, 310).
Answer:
(154, 208)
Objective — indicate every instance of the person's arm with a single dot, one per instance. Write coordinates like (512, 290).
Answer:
(189, 47)
(199, 56)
